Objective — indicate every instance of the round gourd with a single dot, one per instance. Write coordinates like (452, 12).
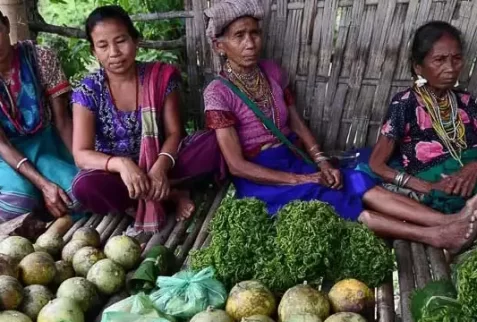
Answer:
(212, 315)
(123, 250)
(89, 235)
(8, 266)
(107, 276)
(11, 293)
(16, 247)
(303, 299)
(64, 271)
(71, 248)
(85, 258)
(61, 310)
(80, 290)
(250, 298)
(36, 297)
(37, 268)
(13, 316)
(345, 317)
(52, 243)
(351, 295)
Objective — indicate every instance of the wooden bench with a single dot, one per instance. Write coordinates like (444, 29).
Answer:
(417, 264)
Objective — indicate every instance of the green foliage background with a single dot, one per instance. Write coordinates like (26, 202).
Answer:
(75, 54)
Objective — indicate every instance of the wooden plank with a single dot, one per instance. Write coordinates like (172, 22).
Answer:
(280, 27)
(104, 236)
(122, 226)
(161, 237)
(440, 268)
(90, 220)
(406, 276)
(67, 237)
(421, 265)
(385, 303)
(104, 223)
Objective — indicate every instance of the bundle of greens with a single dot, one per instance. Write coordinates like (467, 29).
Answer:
(242, 238)
(308, 242)
(437, 302)
(308, 234)
(361, 255)
(465, 275)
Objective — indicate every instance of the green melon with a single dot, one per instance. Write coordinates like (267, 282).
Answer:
(11, 293)
(36, 297)
(250, 298)
(71, 248)
(52, 243)
(13, 316)
(16, 247)
(345, 317)
(351, 295)
(37, 268)
(303, 299)
(61, 310)
(85, 258)
(257, 318)
(64, 271)
(80, 290)
(303, 317)
(108, 276)
(124, 251)
(212, 315)
(89, 235)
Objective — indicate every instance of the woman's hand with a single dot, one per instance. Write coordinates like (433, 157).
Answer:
(56, 200)
(461, 183)
(332, 175)
(160, 187)
(135, 179)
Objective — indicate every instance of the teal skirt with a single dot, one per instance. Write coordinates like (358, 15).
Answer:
(46, 151)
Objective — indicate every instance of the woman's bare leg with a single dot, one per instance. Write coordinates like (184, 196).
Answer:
(406, 209)
(454, 237)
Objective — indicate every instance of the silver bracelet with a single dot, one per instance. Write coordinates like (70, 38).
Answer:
(404, 183)
(321, 159)
(399, 179)
(170, 157)
(19, 164)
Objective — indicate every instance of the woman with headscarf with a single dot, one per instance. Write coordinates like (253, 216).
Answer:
(430, 131)
(128, 137)
(36, 166)
(251, 108)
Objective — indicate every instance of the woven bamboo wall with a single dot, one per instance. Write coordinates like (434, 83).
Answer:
(346, 58)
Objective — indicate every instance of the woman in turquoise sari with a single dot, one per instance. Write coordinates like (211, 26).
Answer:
(430, 130)
(36, 167)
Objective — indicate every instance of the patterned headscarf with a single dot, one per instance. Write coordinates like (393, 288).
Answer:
(225, 12)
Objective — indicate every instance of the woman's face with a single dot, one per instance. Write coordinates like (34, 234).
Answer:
(113, 46)
(443, 64)
(242, 42)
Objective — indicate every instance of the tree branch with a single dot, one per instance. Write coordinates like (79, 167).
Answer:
(78, 33)
(162, 15)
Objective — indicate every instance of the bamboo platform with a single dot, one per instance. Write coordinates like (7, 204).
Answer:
(417, 264)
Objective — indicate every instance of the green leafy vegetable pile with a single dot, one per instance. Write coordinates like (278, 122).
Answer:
(437, 302)
(465, 276)
(308, 241)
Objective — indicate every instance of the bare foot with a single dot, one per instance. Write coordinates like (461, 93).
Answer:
(468, 211)
(459, 235)
(185, 205)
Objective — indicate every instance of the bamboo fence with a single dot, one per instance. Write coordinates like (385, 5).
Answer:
(345, 58)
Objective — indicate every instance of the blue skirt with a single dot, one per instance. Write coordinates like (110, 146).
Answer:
(346, 201)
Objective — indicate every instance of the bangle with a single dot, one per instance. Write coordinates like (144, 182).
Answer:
(106, 168)
(19, 164)
(315, 147)
(170, 157)
(400, 179)
(321, 159)
(404, 183)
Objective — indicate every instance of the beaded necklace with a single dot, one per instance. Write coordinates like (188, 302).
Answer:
(446, 120)
(256, 87)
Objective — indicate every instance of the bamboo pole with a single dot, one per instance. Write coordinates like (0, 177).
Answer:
(78, 33)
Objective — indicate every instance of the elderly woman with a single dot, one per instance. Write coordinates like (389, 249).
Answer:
(36, 167)
(251, 109)
(431, 126)
(128, 136)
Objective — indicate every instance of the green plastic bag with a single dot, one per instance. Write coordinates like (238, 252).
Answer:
(188, 293)
(136, 308)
